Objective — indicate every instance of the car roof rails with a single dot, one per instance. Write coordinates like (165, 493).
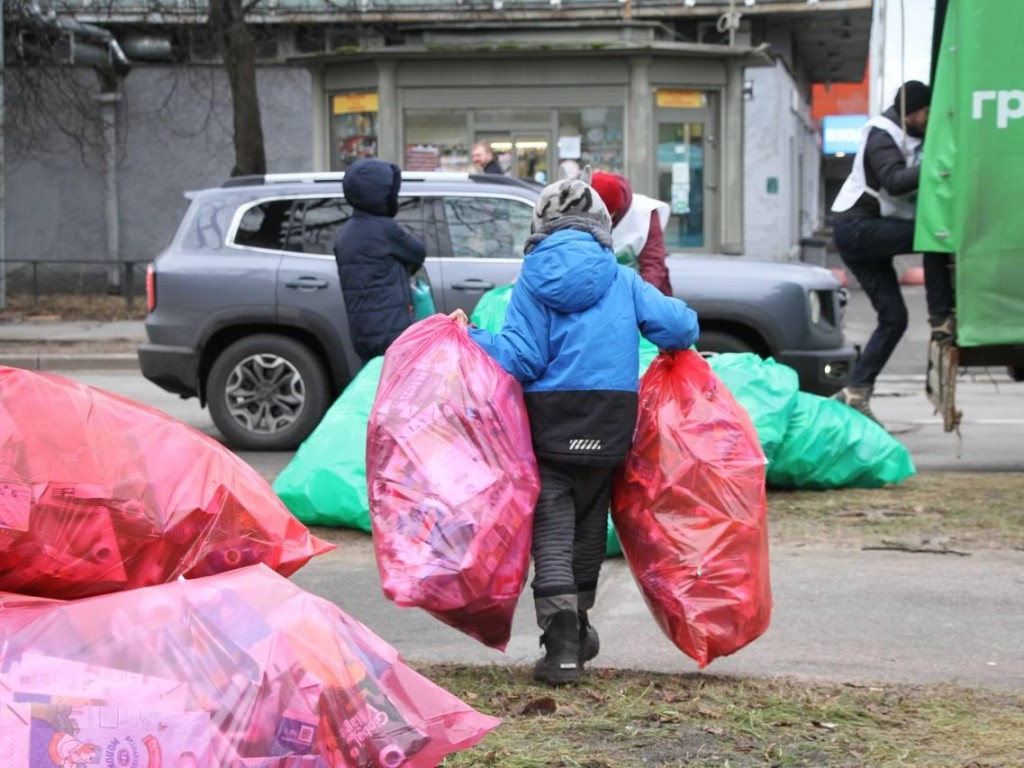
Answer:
(511, 181)
(336, 177)
(282, 178)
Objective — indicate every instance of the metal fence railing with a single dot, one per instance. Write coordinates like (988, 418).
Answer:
(40, 278)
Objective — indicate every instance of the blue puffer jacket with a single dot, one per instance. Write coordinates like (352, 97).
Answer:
(375, 258)
(570, 337)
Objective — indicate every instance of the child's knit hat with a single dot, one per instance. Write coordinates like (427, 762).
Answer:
(571, 198)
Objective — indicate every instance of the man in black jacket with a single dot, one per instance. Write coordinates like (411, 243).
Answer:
(875, 221)
(483, 158)
(376, 258)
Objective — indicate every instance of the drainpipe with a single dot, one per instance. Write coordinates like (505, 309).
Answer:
(108, 114)
(113, 58)
(97, 47)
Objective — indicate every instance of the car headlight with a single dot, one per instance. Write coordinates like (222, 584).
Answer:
(814, 305)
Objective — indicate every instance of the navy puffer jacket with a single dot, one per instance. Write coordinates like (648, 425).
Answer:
(375, 258)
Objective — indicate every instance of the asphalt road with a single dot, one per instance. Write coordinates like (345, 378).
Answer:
(860, 617)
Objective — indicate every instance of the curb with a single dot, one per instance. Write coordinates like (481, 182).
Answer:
(125, 361)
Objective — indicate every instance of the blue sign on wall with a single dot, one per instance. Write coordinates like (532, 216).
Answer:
(841, 133)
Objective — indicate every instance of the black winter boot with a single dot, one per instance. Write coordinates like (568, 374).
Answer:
(590, 643)
(561, 663)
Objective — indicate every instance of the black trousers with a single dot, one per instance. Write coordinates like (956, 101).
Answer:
(570, 530)
(867, 247)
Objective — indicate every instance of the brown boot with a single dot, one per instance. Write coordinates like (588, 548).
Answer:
(857, 398)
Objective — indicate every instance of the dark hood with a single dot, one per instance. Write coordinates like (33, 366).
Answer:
(372, 186)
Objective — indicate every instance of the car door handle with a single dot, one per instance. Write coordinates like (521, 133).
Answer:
(473, 285)
(307, 283)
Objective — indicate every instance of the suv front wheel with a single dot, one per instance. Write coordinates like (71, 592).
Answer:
(267, 393)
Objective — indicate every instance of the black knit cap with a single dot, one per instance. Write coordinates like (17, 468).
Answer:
(918, 97)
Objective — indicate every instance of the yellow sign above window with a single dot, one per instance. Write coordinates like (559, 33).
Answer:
(681, 99)
(344, 103)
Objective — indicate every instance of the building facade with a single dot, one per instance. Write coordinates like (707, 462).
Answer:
(711, 117)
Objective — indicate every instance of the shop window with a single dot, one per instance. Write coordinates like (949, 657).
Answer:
(353, 128)
(437, 140)
(487, 228)
(591, 136)
(504, 119)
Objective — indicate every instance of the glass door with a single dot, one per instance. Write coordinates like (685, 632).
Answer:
(681, 182)
(530, 156)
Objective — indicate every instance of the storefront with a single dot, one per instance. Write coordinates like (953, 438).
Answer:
(666, 115)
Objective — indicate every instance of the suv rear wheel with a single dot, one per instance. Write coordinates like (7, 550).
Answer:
(267, 393)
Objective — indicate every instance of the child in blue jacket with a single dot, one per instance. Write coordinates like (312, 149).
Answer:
(570, 337)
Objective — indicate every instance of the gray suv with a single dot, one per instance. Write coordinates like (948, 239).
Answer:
(245, 310)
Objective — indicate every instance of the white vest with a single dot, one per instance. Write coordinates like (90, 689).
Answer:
(893, 206)
(630, 235)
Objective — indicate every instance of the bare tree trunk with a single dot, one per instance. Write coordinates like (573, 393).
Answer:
(234, 37)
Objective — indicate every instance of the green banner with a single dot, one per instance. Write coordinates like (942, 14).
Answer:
(971, 199)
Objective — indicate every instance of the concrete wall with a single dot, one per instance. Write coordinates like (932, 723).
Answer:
(174, 132)
(782, 167)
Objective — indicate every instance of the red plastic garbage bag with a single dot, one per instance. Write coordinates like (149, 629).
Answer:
(99, 494)
(452, 481)
(690, 510)
(240, 669)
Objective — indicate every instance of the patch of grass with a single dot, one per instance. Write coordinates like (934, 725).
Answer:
(937, 511)
(73, 306)
(621, 718)
(958, 511)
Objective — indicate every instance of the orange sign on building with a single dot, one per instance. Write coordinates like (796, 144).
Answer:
(840, 98)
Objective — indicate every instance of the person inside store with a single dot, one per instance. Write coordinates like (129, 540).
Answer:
(483, 158)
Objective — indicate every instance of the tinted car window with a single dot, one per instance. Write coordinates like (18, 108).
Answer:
(319, 223)
(316, 222)
(265, 225)
(487, 227)
(410, 215)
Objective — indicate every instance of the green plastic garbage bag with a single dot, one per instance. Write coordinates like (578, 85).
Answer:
(648, 352)
(325, 482)
(830, 445)
(422, 299)
(765, 388)
(612, 546)
(489, 312)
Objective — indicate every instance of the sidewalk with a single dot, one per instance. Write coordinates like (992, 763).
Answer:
(70, 345)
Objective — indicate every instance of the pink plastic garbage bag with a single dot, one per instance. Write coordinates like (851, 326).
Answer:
(690, 510)
(99, 493)
(235, 670)
(452, 481)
